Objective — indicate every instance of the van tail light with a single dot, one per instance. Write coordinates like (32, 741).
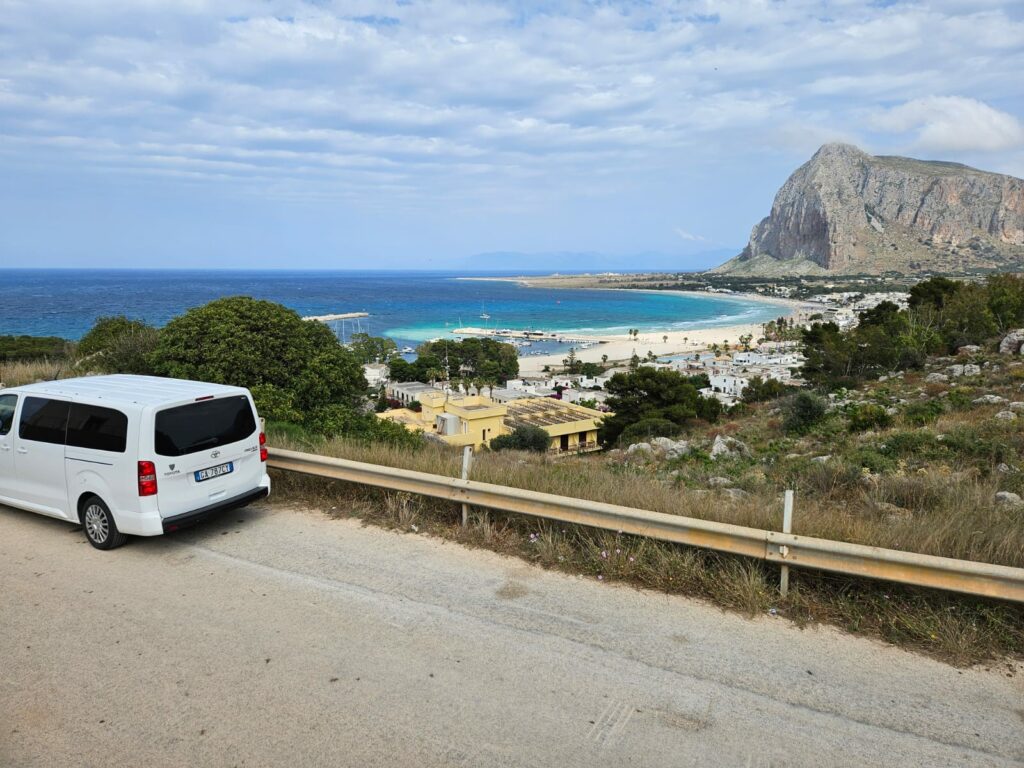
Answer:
(263, 446)
(147, 478)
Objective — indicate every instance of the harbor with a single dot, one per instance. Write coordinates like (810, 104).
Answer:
(520, 335)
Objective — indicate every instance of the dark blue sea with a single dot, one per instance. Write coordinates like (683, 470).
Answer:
(409, 307)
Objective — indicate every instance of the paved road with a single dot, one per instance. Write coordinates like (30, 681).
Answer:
(281, 638)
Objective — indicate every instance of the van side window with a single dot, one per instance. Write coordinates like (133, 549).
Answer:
(7, 406)
(43, 420)
(102, 429)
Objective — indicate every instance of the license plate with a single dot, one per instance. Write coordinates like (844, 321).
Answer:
(212, 472)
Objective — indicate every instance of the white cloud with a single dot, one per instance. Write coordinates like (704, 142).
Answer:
(689, 236)
(493, 99)
(953, 124)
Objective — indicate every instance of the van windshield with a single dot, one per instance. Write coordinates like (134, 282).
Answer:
(204, 425)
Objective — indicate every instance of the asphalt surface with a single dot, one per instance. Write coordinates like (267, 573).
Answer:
(275, 637)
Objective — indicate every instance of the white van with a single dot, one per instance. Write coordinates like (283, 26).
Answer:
(135, 455)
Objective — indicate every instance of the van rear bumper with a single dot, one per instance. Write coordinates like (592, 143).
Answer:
(185, 519)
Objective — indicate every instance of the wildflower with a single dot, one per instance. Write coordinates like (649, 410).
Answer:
(604, 553)
(600, 577)
(618, 551)
(632, 559)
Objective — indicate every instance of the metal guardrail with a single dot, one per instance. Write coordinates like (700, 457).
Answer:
(966, 576)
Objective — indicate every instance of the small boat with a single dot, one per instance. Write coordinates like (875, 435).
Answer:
(407, 350)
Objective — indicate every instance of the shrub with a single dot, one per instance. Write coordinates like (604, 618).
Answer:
(526, 438)
(759, 390)
(32, 347)
(868, 416)
(341, 420)
(293, 366)
(924, 412)
(645, 429)
(802, 411)
(119, 345)
(106, 331)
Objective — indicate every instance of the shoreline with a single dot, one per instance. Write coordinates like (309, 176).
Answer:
(621, 347)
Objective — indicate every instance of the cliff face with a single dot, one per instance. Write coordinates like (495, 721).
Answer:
(845, 211)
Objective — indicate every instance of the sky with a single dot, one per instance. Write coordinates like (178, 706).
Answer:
(431, 135)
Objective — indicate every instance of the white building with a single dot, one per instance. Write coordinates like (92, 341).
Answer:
(376, 374)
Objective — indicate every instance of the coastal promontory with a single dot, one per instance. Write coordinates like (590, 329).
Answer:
(847, 212)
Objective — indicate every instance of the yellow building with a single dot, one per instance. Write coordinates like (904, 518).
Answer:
(457, 420)
(474, 420)
(572, 427)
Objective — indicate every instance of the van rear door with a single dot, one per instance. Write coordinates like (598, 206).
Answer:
(207, 451)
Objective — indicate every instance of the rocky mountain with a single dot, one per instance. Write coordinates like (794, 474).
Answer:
(847, 212)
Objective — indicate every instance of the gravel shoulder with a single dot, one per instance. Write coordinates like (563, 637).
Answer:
(275, 636)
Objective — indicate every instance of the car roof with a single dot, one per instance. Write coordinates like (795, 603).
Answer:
(123, 388)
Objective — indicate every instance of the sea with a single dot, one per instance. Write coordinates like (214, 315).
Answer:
(409, 307)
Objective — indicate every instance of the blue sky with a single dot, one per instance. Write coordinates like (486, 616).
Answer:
(273, 134)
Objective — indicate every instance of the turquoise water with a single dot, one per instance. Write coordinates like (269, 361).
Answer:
(410, 307)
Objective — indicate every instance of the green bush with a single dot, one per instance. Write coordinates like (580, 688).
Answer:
(868, 416)
(802, 412)
(759, 390)
(118, 345)
(645, 429)
(106, 330)
(525, 438)
(923, 412)
(32, 347)
(292, 366)
(339, 420)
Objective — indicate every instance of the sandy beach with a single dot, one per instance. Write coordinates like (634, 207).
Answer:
(620, 347)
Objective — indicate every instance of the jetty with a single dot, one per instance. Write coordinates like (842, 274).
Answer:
(513, 333)
(340, 316)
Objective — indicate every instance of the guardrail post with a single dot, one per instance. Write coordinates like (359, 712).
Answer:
(467, 461)
(787, 527)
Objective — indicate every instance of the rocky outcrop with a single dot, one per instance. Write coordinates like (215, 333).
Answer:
(845, 212)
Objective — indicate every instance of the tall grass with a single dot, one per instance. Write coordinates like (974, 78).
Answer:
(19, 372)
(948, 515)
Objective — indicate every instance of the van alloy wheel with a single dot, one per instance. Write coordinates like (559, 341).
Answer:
(96, 526)
(99, 526)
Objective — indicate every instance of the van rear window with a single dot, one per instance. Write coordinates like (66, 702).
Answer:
(204, 425)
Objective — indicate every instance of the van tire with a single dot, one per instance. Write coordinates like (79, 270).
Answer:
(99, 526)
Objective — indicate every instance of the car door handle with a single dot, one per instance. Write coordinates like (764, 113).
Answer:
(23, 450)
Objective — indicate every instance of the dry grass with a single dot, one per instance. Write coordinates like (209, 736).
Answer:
(957, 629)
(16, 373)
(947, 515)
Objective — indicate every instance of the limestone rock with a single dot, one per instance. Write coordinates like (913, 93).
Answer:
(893, 514)
(719, 482)
(1006, 416)
(989, 400)
(1008, 498)
(845, 211)
(728, 446)
(936, 378)
(1010, 345)
(639, 448)
(736, 494)
(968, 349)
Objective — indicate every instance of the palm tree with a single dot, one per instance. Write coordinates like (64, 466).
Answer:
(664, 339)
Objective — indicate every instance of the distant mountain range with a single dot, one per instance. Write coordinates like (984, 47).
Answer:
(847, 212)
(513, 263)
